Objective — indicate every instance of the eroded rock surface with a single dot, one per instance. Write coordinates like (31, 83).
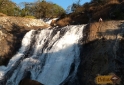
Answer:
(103, 51)
(12, 30)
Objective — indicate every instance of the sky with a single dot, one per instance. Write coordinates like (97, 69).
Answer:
(63, 3)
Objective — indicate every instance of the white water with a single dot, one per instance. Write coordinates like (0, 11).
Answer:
(49, 22)
(48, 54)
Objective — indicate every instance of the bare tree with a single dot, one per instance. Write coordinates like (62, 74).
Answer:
(78, 3)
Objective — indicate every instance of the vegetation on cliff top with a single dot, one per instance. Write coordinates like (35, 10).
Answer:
(88, 12)
(92, 11)
(38, 9)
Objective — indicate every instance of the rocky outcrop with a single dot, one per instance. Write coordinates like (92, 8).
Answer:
(103, 51)
(12, 30)
(29, 82)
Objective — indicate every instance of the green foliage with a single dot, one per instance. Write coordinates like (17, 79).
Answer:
(8, 7)
(30, 17)
(23, 13)
(56, 10)
(39, 9)
(47, 10)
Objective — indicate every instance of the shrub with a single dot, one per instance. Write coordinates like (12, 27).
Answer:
(30, 17)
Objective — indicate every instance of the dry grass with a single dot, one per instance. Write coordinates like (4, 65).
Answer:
(1, 14)
(113, 2)
(93, 11)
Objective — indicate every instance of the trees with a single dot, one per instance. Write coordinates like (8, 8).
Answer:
(43, 9)
(26, 9)
(97, 1)
(75, 6)
(8, 7)
(38, 9)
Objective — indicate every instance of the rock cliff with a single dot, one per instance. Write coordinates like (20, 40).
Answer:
(12, 30)
(102, 51)
(102, 46)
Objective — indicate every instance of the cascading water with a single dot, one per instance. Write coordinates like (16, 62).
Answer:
(50, 55)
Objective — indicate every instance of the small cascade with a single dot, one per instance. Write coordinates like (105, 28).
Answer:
(50, 55)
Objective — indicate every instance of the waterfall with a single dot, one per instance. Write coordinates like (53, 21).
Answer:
(50, 55)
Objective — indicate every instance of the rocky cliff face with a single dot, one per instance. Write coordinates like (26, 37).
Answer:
(12, 30)
(103, 51)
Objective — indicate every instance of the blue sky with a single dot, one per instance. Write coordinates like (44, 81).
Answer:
(62, 3)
